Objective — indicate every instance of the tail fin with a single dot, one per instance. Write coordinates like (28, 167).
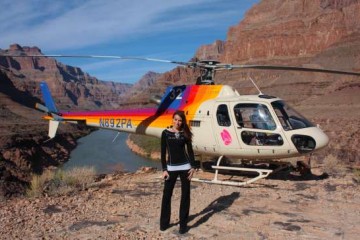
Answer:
(50, 109)
(49, 102)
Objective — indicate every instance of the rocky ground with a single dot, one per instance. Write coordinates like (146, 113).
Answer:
(127, 206)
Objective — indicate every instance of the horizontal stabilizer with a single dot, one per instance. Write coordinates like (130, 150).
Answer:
(41, 107)
(53, 126)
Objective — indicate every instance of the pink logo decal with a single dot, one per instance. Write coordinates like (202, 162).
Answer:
(226, 137)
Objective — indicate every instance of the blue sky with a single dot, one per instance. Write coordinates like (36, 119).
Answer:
(164, 29)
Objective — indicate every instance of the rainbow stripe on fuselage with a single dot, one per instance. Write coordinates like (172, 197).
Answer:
(149, 121)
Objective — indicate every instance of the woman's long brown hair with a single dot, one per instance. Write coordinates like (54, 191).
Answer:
(185, 127)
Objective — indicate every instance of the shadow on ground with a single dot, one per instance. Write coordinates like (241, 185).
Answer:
(216, 206)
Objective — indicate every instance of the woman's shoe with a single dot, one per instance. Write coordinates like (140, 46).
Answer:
(163, 228)
(183, 230)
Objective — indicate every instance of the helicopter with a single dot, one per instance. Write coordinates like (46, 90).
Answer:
(254, 128)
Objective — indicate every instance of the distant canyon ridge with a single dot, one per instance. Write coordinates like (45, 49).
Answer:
(320, 33)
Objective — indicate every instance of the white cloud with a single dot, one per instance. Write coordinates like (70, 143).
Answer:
(83, 23)
(57, 25)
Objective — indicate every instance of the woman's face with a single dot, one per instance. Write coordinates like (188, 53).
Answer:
(177, 122)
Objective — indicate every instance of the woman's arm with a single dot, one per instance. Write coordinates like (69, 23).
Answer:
(190, 152)
(192, 160)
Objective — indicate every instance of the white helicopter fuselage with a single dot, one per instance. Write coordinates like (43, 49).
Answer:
(226, 126)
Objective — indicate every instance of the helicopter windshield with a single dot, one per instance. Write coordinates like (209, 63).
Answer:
(289, 118)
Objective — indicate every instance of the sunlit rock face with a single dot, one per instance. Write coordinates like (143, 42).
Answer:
(70, 86)
(291, 29)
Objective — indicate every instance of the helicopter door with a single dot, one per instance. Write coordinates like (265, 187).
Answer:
(256, 129)
(224, 128)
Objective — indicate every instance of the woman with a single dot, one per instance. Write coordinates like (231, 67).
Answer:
(176, 142)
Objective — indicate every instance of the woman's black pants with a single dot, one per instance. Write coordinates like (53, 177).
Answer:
(185, 199)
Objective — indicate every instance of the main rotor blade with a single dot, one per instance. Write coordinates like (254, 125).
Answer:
(290, 68)
(99, 56)
(216, 66)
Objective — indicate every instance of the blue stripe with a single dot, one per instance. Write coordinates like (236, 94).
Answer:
(172, 98)
(49, 102)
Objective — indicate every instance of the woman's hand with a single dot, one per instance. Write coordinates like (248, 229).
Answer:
(191, 173)
(165, 175)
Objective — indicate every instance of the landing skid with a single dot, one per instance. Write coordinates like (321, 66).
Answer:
(262, 173)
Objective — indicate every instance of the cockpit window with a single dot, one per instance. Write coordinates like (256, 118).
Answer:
(254, 116)
(289, 118)
(222, 116)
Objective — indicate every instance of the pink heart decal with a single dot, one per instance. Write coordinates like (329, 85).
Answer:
(226, 137)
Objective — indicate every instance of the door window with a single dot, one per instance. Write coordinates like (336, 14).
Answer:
(256, 116)
(261, 138)
(222, 116)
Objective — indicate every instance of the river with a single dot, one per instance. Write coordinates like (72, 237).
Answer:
(98, 150)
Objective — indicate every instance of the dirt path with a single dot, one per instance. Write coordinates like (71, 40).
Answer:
(127, 207)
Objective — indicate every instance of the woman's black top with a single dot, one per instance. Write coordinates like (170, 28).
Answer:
(176, 145)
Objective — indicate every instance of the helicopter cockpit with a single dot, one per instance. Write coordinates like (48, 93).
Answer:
(258, 126)
(289, 118)
(257, 116)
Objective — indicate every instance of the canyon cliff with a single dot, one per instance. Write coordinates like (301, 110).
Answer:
(71, 87)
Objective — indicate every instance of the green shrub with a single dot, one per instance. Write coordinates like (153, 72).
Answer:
(61, 182)
(38, 182)
(79, 177)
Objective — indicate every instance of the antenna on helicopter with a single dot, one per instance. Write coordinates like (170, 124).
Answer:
(260, 93)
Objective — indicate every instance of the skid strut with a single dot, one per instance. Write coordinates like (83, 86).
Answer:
(262, 173)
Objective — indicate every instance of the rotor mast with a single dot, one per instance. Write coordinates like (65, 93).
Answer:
(207, 72)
